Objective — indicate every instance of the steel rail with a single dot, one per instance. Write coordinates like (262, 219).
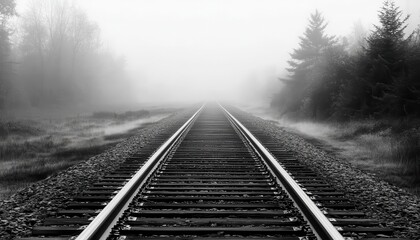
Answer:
(102, 224)
(318, 221)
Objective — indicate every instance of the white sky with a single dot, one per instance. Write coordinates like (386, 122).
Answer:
(198, 48)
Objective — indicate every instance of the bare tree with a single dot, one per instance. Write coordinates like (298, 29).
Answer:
(84, 36)
(7, 10)
(61, 47)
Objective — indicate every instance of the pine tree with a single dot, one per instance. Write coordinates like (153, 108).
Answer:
(388, 39)
(313, 41)
(387, 51)
(303, 86)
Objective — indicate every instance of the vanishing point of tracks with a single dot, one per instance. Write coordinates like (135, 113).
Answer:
(212, 179)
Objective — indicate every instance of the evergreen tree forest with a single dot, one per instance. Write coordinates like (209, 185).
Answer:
(376, 76)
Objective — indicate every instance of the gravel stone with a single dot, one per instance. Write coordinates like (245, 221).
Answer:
(394, 206)
(29, 206)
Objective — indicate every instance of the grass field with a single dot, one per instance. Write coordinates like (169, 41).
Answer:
(389, 148)
(33, 149)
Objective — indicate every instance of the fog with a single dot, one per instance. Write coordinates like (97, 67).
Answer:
(194, 50)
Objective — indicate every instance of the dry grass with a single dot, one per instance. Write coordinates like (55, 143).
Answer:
(393, 155)
(31, 150)
(389, 148)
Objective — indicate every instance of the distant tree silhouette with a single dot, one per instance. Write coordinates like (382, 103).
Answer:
(312, 43)
(7, 10)
(303, 90)
(373, 76)
(57, 42)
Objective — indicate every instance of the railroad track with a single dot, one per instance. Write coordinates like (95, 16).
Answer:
(212, 179)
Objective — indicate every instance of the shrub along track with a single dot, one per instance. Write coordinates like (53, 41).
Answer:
(212, 180)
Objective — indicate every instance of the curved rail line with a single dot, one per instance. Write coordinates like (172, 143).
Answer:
(211, 179)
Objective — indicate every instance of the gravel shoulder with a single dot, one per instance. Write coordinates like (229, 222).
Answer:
(29, 206)
(380, 200)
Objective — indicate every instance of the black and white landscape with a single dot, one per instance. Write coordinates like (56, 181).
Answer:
(87, 85)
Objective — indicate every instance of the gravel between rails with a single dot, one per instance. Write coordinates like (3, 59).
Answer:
(380, 200)
(29, 206)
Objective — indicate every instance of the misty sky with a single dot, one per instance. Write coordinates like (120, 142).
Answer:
(187, 49)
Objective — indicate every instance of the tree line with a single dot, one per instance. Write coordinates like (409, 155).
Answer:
(371, 75)
(52, 54)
